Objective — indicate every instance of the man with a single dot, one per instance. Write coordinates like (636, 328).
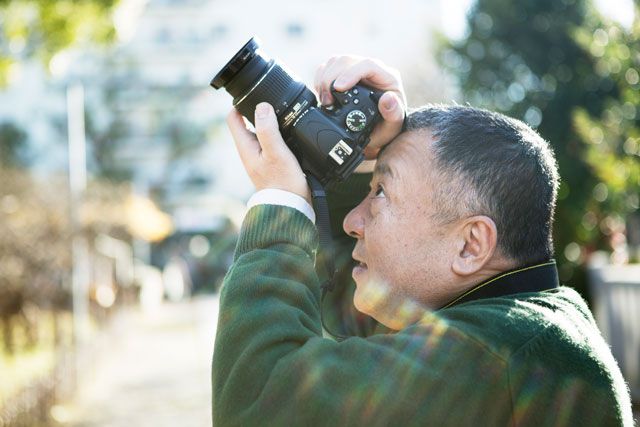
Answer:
(452, 256)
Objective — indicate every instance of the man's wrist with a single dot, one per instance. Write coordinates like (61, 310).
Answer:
(266, 225)
(273, 196)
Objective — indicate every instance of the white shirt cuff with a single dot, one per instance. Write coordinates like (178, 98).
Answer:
(272, 196)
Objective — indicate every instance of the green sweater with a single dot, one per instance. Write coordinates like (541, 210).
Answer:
(533, 359)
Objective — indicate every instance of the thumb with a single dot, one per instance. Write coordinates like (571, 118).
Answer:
(391, 110)
(267, 130)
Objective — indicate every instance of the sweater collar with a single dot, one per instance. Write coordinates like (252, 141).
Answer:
(533, 278)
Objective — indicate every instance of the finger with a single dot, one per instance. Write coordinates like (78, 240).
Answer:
(391, 108)
(246, 142)
(323, 87)
(370, 153)
(334, 67)
(392, 112)
(317, 79)
(369, 72)
(268, 132)
(320, 73)
(325, 79)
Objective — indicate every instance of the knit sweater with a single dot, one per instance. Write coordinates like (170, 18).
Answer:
(527, 359)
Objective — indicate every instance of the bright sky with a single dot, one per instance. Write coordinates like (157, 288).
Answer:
(454, 13)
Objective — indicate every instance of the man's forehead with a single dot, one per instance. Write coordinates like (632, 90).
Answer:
(412, 146)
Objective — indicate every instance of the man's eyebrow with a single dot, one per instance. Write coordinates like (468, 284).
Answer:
(382, 169)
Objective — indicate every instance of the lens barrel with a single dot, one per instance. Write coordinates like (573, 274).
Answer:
(276, 87)
(251, 77)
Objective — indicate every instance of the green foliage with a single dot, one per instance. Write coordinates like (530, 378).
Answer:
(41, 29)
(612, 138)
(533, 60)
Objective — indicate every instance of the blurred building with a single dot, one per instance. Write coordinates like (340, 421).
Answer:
(152, 114)
(178, 45)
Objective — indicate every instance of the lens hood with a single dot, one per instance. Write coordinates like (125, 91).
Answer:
(239, 60)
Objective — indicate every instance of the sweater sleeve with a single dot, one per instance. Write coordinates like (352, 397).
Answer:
(271, 365)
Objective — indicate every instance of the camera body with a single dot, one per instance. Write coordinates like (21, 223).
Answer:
(328, 141)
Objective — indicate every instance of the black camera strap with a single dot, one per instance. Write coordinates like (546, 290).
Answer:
(326, 251)
(326, 254)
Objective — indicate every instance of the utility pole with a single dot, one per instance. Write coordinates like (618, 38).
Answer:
(77, 185)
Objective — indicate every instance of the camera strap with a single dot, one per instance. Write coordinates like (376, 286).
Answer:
(326, 251)
(326, 256)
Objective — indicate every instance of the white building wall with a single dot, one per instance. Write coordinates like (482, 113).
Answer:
(175, 47)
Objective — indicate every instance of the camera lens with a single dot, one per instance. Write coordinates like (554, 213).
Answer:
(239, 60)
(251, 77)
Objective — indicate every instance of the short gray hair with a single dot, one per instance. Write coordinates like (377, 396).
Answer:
(510, 170)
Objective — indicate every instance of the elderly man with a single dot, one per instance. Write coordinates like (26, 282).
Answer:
(459, 318)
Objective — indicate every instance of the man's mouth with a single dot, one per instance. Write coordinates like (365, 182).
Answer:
(359, 269)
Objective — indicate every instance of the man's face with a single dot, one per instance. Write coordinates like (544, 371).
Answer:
(403, 249)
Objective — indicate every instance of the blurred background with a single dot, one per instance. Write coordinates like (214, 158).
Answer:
(121, 192)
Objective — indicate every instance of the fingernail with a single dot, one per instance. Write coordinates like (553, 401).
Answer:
(262, 110)
(340, 82)
(390, 103)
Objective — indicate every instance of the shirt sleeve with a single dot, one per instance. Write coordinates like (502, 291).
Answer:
(272, 196)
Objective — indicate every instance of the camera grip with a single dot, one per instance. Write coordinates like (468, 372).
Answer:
(326, 145)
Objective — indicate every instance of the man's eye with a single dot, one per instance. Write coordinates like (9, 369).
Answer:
(380, 191)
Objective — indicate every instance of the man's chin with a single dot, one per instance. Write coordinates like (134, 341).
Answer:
(370, 295)
(374, 299)
(377, 314)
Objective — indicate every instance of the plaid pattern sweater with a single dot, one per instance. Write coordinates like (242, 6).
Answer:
(533, 359)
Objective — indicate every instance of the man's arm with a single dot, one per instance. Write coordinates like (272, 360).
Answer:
(272, 167)
(339, 314)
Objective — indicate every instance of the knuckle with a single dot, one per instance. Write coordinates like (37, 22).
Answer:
(372, 63)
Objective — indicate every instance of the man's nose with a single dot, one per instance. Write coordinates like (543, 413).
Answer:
(353, 223)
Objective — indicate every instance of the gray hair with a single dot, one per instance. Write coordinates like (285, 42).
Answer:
(496, 166)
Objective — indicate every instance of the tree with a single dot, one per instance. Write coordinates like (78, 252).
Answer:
(42, 28)
(523, 59)
(612, 139)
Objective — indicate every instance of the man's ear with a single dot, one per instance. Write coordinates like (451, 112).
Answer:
(478, 240)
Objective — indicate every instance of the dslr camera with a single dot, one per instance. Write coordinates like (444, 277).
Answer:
(327, 141)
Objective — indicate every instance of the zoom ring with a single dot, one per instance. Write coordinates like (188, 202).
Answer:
(277, 88)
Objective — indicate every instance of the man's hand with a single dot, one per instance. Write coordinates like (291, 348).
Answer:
(266, 157)
(346, 71)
